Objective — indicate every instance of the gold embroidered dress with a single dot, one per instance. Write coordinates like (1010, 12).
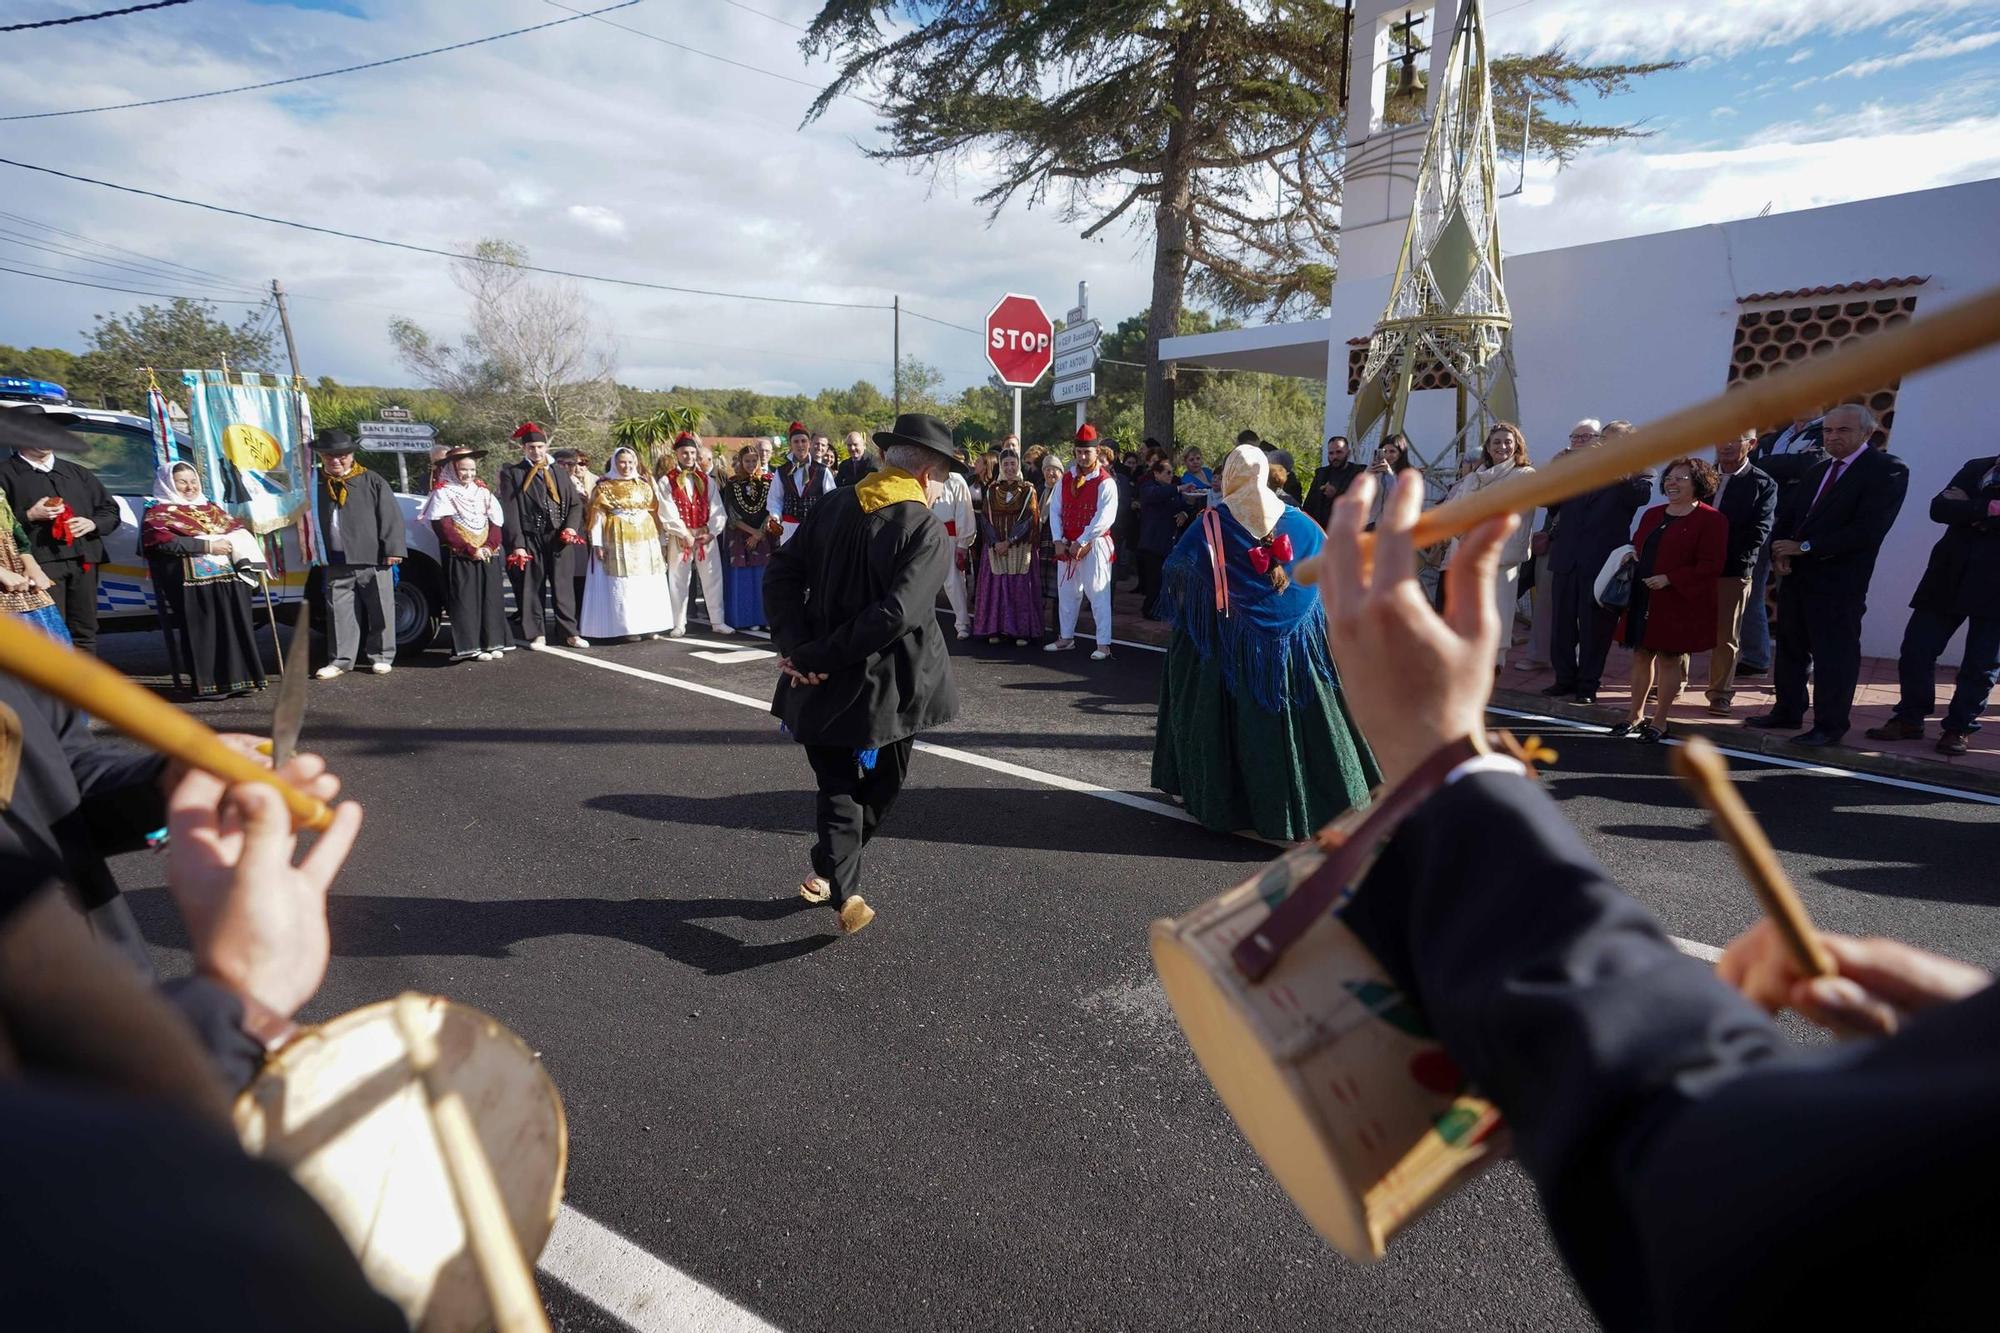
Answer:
(625, 594)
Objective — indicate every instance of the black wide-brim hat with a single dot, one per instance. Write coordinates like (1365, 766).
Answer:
(456, 454)
(926, 432)
(33, 427)
(333, 442)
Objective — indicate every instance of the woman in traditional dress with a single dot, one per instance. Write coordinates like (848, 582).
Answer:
(467, 519)
(746, 540)
(1253, 732)
(195, 564)
(1505, 453)
(625, 595)
(24, 587)
(1009, 598)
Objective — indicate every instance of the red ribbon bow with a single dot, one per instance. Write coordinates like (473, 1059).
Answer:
(569, 537)
(1279, 548)
(61, 522)
(518, 561)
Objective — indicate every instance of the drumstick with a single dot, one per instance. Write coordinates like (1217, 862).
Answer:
(1866, 364)
(1701, 766)
(86, 683)
(503, 1271)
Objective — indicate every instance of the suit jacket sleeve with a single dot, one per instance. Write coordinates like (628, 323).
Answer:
(1955, 513)
(911, 599)
(122, 797)
(103, 510)
(572, 513)
(1873, 516)
(509, 495)
(389, 522)
(1763, 518)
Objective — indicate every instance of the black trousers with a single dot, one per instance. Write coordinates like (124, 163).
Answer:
(1150, 564)
(478, 611)
(76, 598)
(1819, 634)
(852, 804)
(546, 577)
(1580, 636)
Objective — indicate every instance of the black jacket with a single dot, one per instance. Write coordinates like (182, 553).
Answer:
(1698, 1170)
(854, 469)
(1588, 528)
(1806, 452)
(854, 595)
(72, 482)
(530, 524)
(1963, 578)
(1846, 528)
(1337, 475)
(1750, 503)
(371, 526)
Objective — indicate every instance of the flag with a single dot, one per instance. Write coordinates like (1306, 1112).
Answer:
(250, 437)
(163, 429)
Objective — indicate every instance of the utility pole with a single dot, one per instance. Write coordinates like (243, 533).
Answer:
(285, 321)
(896, 375)
(1083, 306)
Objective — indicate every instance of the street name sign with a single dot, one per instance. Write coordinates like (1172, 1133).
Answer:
(1019, 340)
(1078, 336)
(1075, 363)
(409, 437)
(1074, 390)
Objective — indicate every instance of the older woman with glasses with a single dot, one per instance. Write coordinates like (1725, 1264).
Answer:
(1504, 454)
(1679, 549)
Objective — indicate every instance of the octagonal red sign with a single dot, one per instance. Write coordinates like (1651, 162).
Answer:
(1020, 340)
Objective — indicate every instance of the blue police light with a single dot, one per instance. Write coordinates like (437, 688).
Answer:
(40, 391)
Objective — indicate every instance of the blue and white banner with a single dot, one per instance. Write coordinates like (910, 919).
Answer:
(250, 437)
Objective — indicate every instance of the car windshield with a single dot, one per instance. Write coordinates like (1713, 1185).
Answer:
(121, 456)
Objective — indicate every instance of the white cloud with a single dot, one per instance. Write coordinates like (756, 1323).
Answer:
(1799, 56)
(1683, 29)
(1929, 47)
(596, 217)
(1722, 112)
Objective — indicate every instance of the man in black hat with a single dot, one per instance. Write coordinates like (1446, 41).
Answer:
(364, 536)
(66, 513)
(544, 538)
(852, 600)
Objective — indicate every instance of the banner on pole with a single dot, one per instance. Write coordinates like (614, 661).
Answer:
(250, 436)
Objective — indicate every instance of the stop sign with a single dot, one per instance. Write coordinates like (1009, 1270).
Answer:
(1019, 340)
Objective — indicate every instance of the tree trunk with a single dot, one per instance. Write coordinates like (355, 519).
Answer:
(1170, 222)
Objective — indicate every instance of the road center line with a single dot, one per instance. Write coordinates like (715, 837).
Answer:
(646, 1292)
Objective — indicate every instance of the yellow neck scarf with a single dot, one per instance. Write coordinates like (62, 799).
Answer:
(889, 486)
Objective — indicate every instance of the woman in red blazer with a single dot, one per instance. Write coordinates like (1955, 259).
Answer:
(1680, 547)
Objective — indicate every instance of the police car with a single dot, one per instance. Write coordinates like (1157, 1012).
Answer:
(118, 447)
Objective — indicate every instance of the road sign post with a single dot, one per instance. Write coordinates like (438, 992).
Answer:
(1074, 370)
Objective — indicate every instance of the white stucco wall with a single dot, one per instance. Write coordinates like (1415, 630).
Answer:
(1638, 327)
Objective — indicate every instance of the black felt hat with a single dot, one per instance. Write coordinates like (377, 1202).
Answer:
(926, 432)
(33, 427)
(333, 442)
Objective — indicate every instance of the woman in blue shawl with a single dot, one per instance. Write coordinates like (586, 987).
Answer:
(1253, 733)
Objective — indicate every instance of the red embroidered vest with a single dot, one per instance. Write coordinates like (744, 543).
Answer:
(1079, 503)
(694, 508)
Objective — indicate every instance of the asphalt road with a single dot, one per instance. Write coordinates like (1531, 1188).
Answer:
(978, 1113)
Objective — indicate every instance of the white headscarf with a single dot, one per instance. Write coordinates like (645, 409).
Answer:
(611, 465)
(1246, 491)
(163, 486)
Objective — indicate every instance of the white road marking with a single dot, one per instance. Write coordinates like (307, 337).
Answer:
(646, 1292)
(732, 656)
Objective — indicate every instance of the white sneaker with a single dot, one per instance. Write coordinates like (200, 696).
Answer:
(380, 668)
(329, 671)
(964, 633)
(578, 641)
(487, 657)
(1101, 655)
(674, 634)
(1059, 646)
(536, 644)
(722, 629)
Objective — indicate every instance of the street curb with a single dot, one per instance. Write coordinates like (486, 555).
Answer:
(1908, 767)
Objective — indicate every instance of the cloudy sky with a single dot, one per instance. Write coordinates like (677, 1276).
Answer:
(667, 150)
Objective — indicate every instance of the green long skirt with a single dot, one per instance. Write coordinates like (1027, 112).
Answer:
(1235, 766)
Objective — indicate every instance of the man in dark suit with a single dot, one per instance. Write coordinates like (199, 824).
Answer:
(852, 600)
(1824, 546)
(1747, 496)
(1642, 1087)
(1329, 483)
(1586, 531)
(67, 514)
(363, 530)
(1785, 455)
(860, 460)
(542, 525)
(1961, 584)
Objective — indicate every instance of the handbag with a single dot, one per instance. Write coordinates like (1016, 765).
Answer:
(1613, 588)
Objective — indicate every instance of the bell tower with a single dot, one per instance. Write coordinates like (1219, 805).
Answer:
(1380, 179)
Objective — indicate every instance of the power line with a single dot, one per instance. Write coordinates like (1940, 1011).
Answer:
(15, 238)
(106, 14)
(107, 245)
(682, 46)
(947, 323)
(104, 287)
(325, 73)
(432, 250)
(795, 27)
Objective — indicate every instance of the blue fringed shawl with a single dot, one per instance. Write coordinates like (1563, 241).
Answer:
(1271, 642)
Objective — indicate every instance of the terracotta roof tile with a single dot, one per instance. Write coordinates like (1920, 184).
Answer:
(1835, 289)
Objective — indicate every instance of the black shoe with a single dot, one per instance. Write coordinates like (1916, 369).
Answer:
(1771, 722)
(1650, 734)
(1558, 691)
(1817, 739)
(1621, 730)
(1586, 698)
(1742, 670)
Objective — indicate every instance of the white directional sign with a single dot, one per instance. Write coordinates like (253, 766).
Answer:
(1074, 390)
(409, 437)
(1075, 363)
(1078, 336)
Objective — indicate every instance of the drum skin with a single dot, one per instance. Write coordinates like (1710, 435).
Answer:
(339, 1107)
(1324, 1065)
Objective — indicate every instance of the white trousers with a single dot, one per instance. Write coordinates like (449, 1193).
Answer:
(1070, 593)
(680, 580)
(954, 592)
